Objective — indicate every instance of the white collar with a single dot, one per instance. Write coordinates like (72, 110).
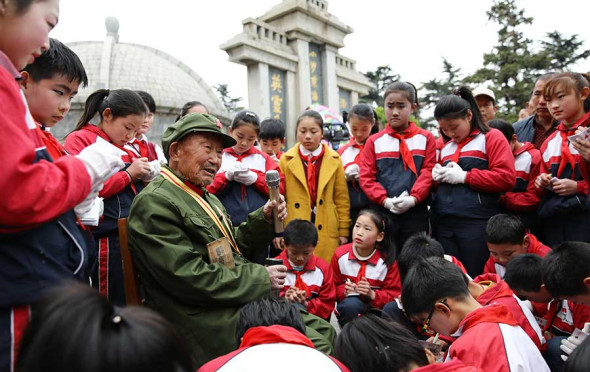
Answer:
(306, 152)
(361, 258)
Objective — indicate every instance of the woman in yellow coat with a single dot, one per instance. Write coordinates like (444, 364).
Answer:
(316, 189)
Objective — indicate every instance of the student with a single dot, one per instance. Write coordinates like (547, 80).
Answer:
(41, 244)
(272, 138)
(272, 333)
(565, 205)
(566, 275)
(537, 128)
(558, 318)
(362, 119)
(436, 293)
(121, 113)
(370, 343)
(507, 238)
(315, 185)
(476, 167)
(491, 289)
(396, 164)
(140, 144)
(77, 329)
(523, 200)
(486, 101)
(49, 84)
(365, 271)
(191, 107)
(309, 282)
(240, 183)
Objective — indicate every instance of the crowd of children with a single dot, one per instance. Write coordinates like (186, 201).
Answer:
(502, 284)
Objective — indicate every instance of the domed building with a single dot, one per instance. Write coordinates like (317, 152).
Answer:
(111, 65)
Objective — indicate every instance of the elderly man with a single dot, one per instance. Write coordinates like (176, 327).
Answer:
(172, 221)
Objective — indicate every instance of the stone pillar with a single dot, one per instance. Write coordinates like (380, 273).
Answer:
(293, 111)
(258, 93)
(301, 48)
(331, 96)
(354, 98)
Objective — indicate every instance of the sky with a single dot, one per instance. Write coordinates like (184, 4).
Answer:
(410, 36)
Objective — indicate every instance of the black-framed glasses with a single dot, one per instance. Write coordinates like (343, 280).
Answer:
(426, 323)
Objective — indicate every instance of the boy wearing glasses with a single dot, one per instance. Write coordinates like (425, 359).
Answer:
(435, 293)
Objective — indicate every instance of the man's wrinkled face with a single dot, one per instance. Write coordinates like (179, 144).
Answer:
(197, 158)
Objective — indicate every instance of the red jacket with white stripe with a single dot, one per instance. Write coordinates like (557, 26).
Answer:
(562, 317)
(350, 154)
(454, 365)
(497, 291)
(535, 247)
(41, 244)
(524, 197)
(489, 164)
(240, 200)
(267, 348)
(382, 172)
(553, 204)
(319, 279)
(490, 339)
(384, 280)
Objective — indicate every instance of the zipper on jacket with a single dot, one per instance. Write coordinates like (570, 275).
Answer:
(77, 245)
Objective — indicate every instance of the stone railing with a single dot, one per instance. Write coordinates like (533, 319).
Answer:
(264, 31)
(322, 4)
(347, 63)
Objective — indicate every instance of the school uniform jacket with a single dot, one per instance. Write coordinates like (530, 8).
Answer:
(319, 279)
(239, 199)
(146, 149)
(524, 197)
(490, 171)
(454, 365)
(562, 317)
(553, 204)
(384, 280)
(535, 247)
(382, 173)
(333, 205)
(350, 154)
(40, 242)
(270, 348)
(118, 191)
(498, 292)
(490, 339)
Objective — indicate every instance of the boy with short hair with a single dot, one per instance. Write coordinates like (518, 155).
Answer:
(507, 238)
(272, 137)
(309, 281)
(486, 101)
(49, 84)
(524, 198)
(435, 292)
(566, 271)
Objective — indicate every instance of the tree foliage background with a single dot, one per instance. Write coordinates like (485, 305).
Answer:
(509, 69)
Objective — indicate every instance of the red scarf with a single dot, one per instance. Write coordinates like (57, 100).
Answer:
(141, 146)
(457, 154)
(311, 173)
(300, 284)
(239, 158)
(362, 272)
(357, 158)
(404, 151)
(566, 155)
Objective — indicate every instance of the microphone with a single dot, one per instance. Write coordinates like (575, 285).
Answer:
(273, 181)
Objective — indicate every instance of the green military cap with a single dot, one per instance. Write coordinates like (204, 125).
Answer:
(194, 123)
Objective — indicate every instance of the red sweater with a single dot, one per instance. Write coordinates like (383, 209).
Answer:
(384, 280)
(319, 279)
(33, 191)
(535, 247)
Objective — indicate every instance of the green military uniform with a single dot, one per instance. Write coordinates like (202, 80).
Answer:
(168, 236)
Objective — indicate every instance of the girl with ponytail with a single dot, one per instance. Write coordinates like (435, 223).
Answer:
(121, 113)
(476, 166)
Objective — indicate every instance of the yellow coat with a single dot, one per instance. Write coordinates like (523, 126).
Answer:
(333, 204)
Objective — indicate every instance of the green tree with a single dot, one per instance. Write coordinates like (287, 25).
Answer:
(381, 78)
(433, 89)
(230, 103)
(563, 51)
(512, 65)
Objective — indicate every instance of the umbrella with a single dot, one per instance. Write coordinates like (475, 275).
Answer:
(329, 115)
